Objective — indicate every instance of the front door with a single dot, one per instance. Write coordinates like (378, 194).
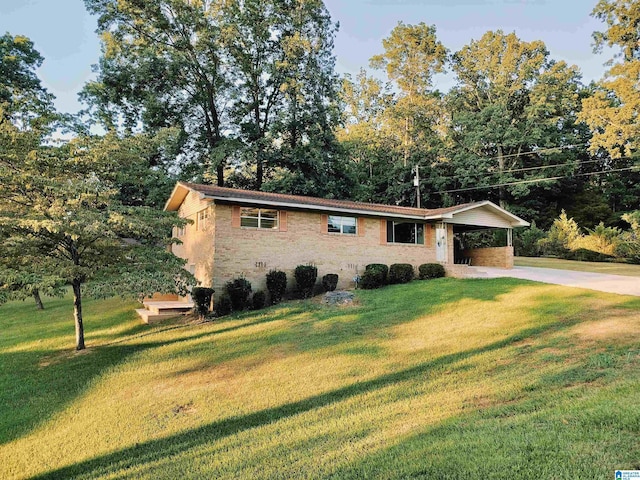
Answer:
(441, 242)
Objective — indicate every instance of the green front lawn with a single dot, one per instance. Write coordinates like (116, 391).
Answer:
(596, 267)
(486, 379)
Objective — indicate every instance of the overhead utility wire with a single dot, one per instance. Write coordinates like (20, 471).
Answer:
(559, 147)
(535, 180)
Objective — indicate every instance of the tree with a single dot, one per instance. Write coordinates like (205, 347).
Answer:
(412, 55)
(162, 66)
(613, 111)
(512, 112)
(247, 83)
(392, 128)
(60, 209)
(21, 277)
(22, 96)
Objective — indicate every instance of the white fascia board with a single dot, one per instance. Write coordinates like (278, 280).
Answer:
(304, 206)
(517, 221)
(178, 186)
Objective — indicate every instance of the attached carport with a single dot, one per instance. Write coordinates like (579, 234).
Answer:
(452, 222)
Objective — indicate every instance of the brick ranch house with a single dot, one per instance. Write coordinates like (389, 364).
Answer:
(247, 233)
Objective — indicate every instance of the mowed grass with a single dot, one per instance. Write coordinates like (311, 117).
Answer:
(610, 268)
(455, 379)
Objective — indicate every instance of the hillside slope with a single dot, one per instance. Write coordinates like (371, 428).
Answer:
(440, 379)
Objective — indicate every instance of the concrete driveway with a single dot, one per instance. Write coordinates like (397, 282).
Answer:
(593, 281)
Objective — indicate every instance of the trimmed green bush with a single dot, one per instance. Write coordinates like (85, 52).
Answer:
(258, 300)
(239, 290)
(202, 298)
(430, 270)
(276, 285)
(330, 282)
(374, 276)
(401, 273)
(381, 268)
(306, 276)
(223, 306)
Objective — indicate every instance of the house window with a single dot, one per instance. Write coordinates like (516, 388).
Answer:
(180, 231)
(203, 217)
(259, 218)
(405, 232)
(344, 225)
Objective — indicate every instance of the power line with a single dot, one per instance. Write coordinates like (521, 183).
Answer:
(548, 166)
(540, 150)
(535, 180)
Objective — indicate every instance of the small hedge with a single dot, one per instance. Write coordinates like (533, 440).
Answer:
(202, 298)
(401, 273)
(223, 306)
(258, 300)
(306, 276)
(430, 270)
(330, 282)
(277, 285)
(374, 276)
(239, 290)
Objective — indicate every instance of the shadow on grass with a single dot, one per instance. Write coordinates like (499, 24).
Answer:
(49, 380)
(153, 450)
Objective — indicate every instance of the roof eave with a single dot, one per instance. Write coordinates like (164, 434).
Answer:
(305, 206)
(178, 194)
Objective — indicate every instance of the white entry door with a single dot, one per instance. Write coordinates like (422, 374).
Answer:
(441, 242)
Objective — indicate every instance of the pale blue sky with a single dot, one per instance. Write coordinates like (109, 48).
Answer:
(64, 33)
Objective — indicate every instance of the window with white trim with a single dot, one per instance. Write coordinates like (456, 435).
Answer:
(259, 218)
(180, 231)
(405, 232)
(203, 217)
(344, 225)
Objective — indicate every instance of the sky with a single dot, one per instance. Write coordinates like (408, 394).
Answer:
(64, 33)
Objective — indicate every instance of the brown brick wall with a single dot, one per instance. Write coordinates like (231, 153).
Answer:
(501, 257)
(252, 253)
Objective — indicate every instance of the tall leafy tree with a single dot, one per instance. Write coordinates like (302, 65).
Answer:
(613, 111)
(247, 82)
(513, 109)
(396, 127)
(162, 66)
(22, 97)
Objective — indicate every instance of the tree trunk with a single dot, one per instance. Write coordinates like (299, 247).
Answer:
(77, 314)
(36, 297)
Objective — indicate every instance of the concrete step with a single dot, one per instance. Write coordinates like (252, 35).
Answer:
(173, 307)
(151, 318)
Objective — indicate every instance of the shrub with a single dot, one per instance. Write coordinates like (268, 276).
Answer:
(277, 285)
(330, 282)
(258, 300)
(562, 234)
(239, 290)
(202, 298)
(629, 242)
(223, 306)
(527, 242)
(430, 270)
(306, 276)
(401, 273)
(374, 276)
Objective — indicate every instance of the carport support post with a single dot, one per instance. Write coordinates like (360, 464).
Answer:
(509, 237)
